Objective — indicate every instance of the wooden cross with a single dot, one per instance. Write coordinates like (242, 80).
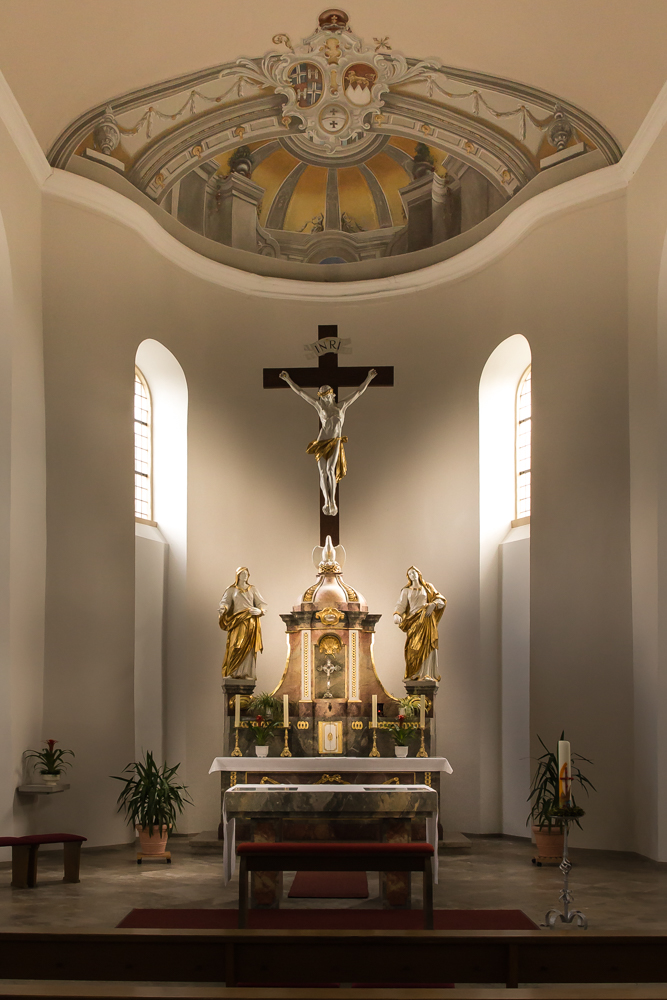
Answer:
(328, 373)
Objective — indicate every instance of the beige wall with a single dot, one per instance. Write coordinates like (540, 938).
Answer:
(22, 493)
(647, 330)
(411, 494)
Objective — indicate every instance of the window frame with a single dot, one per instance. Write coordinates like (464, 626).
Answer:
(524, 518)
(139, 375)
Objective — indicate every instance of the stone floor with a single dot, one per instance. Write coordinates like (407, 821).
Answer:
(618, 892)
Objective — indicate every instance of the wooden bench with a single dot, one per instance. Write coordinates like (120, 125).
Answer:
(311, 856)
(24, 856)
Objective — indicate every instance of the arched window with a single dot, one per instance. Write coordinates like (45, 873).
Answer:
(143, 459)
(523, 434)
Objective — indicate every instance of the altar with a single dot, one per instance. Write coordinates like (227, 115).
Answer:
(323, 771)
(374, 813)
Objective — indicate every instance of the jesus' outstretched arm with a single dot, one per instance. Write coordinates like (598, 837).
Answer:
(343, 405)
(295, 388)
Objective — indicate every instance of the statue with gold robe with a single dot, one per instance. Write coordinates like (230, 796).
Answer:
(240, 609)
(417, 613)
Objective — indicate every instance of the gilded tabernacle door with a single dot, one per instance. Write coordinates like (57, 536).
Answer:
(330, 667)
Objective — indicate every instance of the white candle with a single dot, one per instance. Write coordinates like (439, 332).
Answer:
(422, 712)
(564, 773)
(374, 710)
(237, 711)
(285, 710)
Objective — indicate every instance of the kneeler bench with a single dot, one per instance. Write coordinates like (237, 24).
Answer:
(24, 856)
(311, 856)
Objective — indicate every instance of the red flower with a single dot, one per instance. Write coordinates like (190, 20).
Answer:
(401, 718)
(259, 718)
(51, 744)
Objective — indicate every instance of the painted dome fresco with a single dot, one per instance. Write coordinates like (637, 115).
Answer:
(333, 158)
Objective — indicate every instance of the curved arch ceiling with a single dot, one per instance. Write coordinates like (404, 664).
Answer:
(334, 149)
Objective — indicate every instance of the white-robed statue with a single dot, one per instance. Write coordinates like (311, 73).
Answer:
(328, 449)
(417, 613)
(240, 609)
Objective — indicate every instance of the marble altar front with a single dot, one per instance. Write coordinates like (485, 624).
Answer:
(272, 813)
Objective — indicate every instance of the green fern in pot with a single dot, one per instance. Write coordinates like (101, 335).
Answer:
(152, 798)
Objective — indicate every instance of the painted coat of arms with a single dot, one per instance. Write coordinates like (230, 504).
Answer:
(333, 82)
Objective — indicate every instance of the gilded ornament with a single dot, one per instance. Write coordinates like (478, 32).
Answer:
(303, 724)
(426, 129)
(197, 150)
(330, 645)
(330, 616)
(331, 779)
(283, 39)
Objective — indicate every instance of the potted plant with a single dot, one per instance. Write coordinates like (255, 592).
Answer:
(152, 797)
(265, 704)
(547, 827)
(261, 730)
(401, 732)
(53, 761)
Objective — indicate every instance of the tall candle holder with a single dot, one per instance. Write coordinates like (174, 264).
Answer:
(422, 750)
(236, 752)
(375, 752)
(286, 750)
(565, 814)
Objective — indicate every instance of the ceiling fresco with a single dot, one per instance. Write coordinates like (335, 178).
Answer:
(333, 151)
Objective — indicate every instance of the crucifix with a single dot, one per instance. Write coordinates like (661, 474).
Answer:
(328, 375)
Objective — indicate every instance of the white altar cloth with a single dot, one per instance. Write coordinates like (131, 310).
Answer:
(229, 825)
(343, 764)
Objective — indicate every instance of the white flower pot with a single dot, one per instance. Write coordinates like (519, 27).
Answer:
(401, 751)
(261, 751)
(50, 779)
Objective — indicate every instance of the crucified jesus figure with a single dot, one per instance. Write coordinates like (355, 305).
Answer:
(329, 449)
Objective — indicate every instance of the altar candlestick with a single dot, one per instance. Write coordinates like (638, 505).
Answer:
(285, 710)
(564, 773)
(374, 717)
(237, 711)
(422, 712)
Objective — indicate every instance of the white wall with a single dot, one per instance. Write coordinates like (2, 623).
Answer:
(497, 492)
(150, 570)
(647, 337)
(22, 486)
(515, 685)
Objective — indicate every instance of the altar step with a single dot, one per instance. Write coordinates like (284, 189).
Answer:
(207, 842)
(454, 841)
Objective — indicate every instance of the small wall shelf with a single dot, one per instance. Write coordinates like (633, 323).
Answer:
(39, 789)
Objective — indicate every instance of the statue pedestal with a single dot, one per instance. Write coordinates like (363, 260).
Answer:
(231, 686)
(430, 689)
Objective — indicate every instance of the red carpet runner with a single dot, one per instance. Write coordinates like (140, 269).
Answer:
(332, 919)
(329, 885)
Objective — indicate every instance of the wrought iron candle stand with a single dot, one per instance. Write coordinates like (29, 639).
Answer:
(566, 897)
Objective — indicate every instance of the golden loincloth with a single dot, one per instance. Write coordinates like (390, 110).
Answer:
(325, 449)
